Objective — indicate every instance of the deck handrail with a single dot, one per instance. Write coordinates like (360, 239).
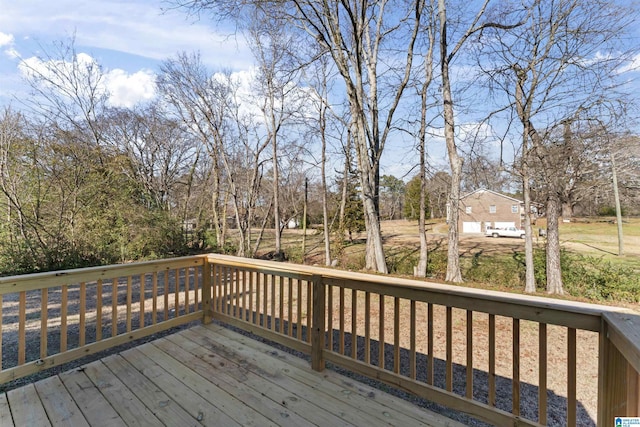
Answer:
(57, 317)
(619, 339)
(353, 320)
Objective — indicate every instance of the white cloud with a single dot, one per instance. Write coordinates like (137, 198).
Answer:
(123, 89)
(133, 27)
(6, 39)
(126, 90)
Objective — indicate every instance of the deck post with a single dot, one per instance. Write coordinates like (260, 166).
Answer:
(617, 380)
(318, 324)
(207, 309)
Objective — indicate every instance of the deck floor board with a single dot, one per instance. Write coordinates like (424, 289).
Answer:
(206, 375)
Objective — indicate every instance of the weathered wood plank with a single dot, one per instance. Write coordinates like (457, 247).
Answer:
(6, 420)
(279, 390)
(215, 368)
(60, 407)
(207, 413)
(394, 410)
(351, 407)
(95, 408)
(233, 407)
(26, 407)
(132, 411)
(152, 396)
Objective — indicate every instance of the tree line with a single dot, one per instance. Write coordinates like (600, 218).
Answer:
(334, 84)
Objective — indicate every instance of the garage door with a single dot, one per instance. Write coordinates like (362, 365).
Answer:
(471, 227)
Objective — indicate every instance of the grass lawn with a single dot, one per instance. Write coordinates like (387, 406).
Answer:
(489, 262)
(599, 237)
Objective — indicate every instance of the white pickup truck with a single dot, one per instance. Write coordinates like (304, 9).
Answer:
(505, 232)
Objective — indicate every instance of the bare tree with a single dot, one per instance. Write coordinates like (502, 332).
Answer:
(276, 83)
(200, 101)
(455, 160)
(557, 65)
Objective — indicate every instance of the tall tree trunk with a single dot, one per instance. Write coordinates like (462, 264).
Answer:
(616, 196)
(529, 278)
(554, 271)
(375, 259)
(455, 161)
(325, 207)
(276, 195)
(345, 186)
(304, 218)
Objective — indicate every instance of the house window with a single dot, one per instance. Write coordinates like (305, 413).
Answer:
(514, 208)
(492, 209)
(468, 209)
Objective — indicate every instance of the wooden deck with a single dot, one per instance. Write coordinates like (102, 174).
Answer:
(205, 375)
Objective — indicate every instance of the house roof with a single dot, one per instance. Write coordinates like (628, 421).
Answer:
(484, 190)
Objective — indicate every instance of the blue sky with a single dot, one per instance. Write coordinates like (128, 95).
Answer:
(128, 38)
(131, 38)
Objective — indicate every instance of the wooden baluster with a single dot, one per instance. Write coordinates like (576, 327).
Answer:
(449, 351)
(412, 340)
(515, 382)
(396, 335)
(469, 385)
(166, 295)
(154, 293)
(143, 278)
(258, 300)
(273, 302)
(44, 319)
(235, 291)
(492, 360)
(290, 306)
(265, 297)
(430, 358)
(571, 377)
(330, 317)
(245, 311)
(354, 324)
(114, 307)
(98, 310)
(252, 318)
(186, 290)
(83, 311)
(309, 309)
(299, 308)
(196, 289)
(129, 303)
(542, 374)
(317, 328)
(381, 352)
(281, 302)
(176, 292)
(63, 319)
(367, 327)
(22, 319)
(341, 312)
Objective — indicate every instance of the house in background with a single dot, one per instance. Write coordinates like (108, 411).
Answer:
(482, 209)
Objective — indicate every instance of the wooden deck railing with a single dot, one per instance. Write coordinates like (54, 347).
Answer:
(503, 358)
(47, 319)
